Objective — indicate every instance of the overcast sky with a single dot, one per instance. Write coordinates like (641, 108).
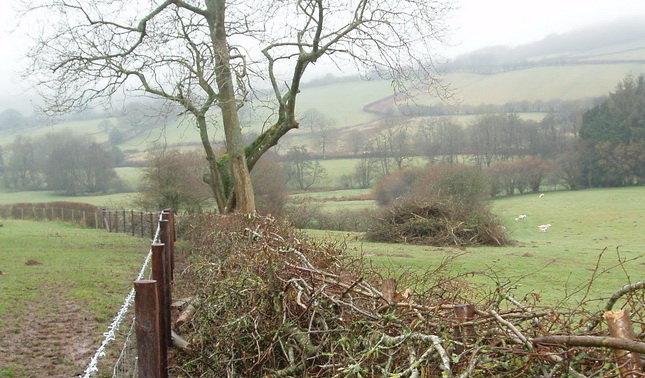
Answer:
(476, 24)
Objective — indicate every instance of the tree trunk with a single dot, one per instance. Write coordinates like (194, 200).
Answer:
(244, 197)
(215, 180)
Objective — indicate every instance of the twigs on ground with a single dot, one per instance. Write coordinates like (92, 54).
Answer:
(270, 303)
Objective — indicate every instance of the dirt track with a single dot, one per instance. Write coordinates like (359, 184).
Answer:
(53, 337)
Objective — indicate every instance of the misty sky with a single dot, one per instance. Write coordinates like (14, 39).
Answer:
(478, 23)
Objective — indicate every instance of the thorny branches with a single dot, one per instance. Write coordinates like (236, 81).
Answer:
(270, 302)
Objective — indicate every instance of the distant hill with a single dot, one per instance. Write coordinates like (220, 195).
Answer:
(582, 64)
(617, 42)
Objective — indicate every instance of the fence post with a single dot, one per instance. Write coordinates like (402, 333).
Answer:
(141, 222)
(166, 238)
(132, 222)
(160, 274)
(152, 230)
(146, 307)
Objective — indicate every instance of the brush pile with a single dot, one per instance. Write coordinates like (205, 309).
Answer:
(270, 303)
(437, 221)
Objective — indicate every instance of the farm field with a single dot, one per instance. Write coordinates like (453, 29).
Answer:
(112, 201)
(601, 227)
(60, 286)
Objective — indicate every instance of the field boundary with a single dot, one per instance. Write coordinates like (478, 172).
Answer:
(133, 222)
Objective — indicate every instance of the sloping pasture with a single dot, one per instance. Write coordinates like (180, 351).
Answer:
(595, 236)
(60, 286)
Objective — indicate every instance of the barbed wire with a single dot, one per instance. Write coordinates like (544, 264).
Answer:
(110, 335)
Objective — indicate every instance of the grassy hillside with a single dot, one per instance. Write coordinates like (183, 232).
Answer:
(545, 83)
(595, 73)
(592, 227)
(58, 295)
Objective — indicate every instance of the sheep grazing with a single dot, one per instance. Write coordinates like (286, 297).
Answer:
(521, 217)
(544, 227)
(541, 195)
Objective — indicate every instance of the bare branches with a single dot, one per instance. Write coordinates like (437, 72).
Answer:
(316, 311)
(592, 341)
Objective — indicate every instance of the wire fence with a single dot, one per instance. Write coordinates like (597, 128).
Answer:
(126, 364)
(136, 223)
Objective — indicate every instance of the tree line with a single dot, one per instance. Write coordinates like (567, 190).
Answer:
(70, 163)
(572, 147)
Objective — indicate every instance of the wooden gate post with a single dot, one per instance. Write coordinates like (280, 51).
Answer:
(146, 308)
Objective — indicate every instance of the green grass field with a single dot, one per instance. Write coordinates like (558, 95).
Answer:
(539, 83)
(60, 287)
(110, 201)
(601, 226)
(90, 266)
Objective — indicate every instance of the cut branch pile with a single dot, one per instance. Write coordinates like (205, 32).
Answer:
(438, 221)
(268, 302)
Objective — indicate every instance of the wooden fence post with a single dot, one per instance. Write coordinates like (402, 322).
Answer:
(168, 238)
(160, 274)
(132, 222)
(146, 307)
(141, 222)
(620, 326)
(152, 229)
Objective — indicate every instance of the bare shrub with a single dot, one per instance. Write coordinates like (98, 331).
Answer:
(395, 185)
(269, 183)
(173, 179)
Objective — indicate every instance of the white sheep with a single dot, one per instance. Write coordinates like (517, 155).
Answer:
(521, 217)
(544, 227)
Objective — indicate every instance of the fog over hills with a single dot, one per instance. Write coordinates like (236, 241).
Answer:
(573, 47)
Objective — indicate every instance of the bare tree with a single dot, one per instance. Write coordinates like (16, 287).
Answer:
(203, 55)
(320, 126)
(301, 170)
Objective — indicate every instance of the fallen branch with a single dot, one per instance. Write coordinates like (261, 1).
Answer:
(612, 301)
(186, 315)
(179, 343)
(592, 341)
